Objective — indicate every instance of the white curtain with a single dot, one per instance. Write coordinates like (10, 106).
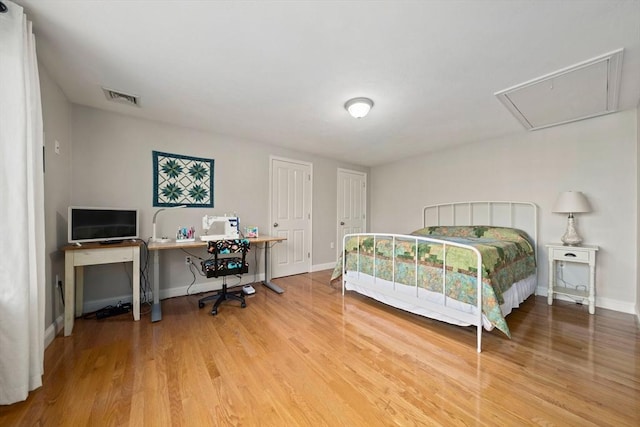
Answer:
(22, 240)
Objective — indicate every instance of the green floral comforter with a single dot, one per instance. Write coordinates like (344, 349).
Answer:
(508, 256)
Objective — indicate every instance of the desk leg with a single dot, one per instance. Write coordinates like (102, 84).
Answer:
(69, 293)
(267, 279)
(136, 282)
(592, 286)
(156, 309)
(79, 289)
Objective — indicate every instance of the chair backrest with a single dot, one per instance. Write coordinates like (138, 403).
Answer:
(229, 246)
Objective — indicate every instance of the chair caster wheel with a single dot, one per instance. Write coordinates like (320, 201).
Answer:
(243, 305)
(200, 304)
(214, 311)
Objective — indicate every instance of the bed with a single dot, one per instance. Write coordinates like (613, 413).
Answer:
(463, 250)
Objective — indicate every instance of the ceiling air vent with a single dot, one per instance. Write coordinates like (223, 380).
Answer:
(121, 97)
(578, 92)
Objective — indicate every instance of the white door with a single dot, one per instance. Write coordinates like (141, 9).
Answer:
(352, 203)
(291, 216)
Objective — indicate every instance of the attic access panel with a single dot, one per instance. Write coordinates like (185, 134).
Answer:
(581, 91)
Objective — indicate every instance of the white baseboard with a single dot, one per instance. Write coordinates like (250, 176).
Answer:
(611, 304)
(58, 324)
(209, 286)
(178, 291)
(205, 286)
(608, 303)
(53, 330)
(320, 267)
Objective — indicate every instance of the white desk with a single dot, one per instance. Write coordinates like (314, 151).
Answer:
(76, 257)
(156, 310)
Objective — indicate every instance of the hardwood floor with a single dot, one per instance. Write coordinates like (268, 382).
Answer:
(310, 357)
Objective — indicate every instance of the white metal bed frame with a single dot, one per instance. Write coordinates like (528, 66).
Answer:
(492, 217)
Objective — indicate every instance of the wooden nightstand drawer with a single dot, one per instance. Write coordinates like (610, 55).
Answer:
(570, 254)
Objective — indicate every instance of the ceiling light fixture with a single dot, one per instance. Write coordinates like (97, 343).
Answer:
(358, 107)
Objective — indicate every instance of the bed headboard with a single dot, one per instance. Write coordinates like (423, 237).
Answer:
(521, 215)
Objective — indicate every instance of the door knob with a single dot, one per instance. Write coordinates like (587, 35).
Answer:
(275, 224)
(341, 222)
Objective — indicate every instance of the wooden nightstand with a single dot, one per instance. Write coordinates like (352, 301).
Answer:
(578, 254)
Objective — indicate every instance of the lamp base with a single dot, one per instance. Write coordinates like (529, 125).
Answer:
(571, 237)
(161, 240)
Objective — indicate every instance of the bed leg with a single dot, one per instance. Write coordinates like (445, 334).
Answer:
(479, 338)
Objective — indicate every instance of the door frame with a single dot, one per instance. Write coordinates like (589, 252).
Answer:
(271, 230)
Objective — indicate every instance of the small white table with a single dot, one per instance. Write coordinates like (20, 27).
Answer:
(578, 254)
(76, 257)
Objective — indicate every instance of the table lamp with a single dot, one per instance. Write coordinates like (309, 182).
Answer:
(571, 202)
(154, 239)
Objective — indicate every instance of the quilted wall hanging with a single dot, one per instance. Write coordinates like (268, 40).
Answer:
(182, 180)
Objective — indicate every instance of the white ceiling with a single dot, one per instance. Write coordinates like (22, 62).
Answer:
(280, 72)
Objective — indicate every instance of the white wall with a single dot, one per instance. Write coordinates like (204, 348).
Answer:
(112, 166)
(638, 218)
(596, 156)
(56, 112)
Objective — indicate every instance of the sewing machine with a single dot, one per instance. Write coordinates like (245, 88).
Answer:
(220, 227)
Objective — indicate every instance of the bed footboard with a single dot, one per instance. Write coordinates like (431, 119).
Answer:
(415, 273)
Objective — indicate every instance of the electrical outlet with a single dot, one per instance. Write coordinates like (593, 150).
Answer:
(333, 245)
(56, 284)
(187, 260)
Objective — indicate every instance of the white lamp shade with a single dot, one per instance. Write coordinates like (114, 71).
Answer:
(571, 202)
(358, 107)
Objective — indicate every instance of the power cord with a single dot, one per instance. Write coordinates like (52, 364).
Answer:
(560, 278)
(59, 284)
(145, 283)
(194, 277)
(192, 266)
(110, 310)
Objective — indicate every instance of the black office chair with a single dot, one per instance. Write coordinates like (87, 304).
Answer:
(223, 266)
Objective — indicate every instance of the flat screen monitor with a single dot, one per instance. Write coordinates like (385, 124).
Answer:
(102, 224)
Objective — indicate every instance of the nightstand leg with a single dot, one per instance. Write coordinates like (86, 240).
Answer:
(592, 290)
